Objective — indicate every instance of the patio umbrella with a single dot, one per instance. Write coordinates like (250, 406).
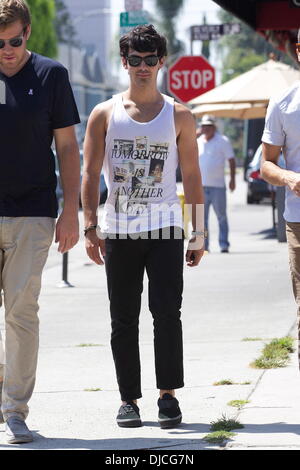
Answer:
(251, 90)
(232, 110)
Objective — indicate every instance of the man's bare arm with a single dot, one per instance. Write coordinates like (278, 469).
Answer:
(232, 167)
(275, 175)
(191, 178)
(67, 227)
(94, 150)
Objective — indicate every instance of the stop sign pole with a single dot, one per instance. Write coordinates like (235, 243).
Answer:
(189, 77)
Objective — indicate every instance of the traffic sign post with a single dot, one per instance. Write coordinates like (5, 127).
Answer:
(189, 77)
(131, 5)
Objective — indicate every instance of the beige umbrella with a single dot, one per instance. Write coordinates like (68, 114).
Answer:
(254, 87)
(232, 110)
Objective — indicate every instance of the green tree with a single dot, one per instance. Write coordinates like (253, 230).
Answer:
(241, 52)
(168, 10)
(43, 38)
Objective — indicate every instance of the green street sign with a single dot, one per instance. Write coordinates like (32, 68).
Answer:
(129, 19)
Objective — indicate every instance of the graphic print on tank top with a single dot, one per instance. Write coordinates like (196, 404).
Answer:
(138, 169)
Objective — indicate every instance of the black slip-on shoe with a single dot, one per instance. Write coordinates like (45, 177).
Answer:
(169, 414)
(129, 416)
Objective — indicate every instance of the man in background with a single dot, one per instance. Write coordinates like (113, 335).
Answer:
(214, 151)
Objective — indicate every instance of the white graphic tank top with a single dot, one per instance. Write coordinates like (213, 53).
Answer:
(140, 172)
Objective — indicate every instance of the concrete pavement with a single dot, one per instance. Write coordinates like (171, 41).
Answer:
(228, 298)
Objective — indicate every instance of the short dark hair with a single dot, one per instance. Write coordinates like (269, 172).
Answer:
(143, 38)
(14, 10)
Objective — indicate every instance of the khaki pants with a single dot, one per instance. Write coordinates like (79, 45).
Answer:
(293, 239)
(24, 246)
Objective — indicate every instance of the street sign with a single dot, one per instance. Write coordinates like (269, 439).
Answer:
(190, 76)
(131, 5)
(208, 32)
(130, 19)
(133, 18)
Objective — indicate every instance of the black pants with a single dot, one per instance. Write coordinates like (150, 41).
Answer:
(126, 261)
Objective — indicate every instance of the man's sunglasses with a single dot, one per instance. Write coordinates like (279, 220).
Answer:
(14, 42)
(136, 60)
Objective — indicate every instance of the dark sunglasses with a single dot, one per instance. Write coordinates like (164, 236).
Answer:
(136, 60)
(14, 42)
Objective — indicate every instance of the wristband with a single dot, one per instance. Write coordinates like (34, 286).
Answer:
(89, 228)
(198, 233)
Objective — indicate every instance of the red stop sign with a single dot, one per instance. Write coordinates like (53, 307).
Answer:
(190, 76)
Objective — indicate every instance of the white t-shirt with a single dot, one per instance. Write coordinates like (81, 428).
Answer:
(282, 127)
(213, 155)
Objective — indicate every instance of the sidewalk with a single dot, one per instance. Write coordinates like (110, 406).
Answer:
(245, 294)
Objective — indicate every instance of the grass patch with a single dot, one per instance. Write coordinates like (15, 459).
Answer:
(275, 354)
(221, 430)
(287, 342)
(87, 345)
(224, 382)
(225, 424)
(218, 437)
(252, 339)
(238, 403)
(230, 382)
(92, 389)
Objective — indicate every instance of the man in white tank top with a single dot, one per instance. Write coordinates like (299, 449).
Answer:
(138, 138)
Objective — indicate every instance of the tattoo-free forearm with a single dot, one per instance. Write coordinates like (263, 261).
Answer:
(275, 175)
(69, 168)
(90, 198)
(194, 198)
(232, 167)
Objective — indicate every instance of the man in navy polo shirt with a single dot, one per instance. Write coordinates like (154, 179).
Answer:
(36, 104)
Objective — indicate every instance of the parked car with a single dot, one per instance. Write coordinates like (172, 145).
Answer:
(257, 188)
(59, 191)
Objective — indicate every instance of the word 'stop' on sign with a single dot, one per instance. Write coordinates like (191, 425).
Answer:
(189, 77)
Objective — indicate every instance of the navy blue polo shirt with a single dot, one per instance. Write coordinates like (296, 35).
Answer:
(33, 102)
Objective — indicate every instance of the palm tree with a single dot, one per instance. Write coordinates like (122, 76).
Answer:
(169, 9)
(205, 44)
